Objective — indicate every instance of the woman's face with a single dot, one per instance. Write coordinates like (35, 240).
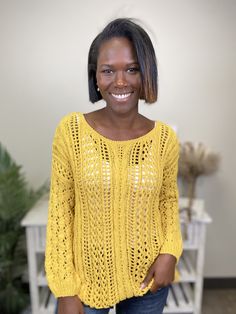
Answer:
(118, 75)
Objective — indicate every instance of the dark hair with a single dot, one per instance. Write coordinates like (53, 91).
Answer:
(124, 27)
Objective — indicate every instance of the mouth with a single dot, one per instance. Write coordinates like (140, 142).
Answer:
(121, 96)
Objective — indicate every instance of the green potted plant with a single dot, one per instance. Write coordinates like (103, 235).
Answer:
(16, 198)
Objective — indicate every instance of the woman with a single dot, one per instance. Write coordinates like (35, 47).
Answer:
(113, 234)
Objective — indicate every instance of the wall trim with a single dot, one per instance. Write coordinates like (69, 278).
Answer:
(220, 283)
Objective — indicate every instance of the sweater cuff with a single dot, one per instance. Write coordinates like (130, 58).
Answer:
(173, 249)
(64, 288)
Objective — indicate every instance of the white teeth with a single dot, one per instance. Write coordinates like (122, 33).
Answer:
(121, 96)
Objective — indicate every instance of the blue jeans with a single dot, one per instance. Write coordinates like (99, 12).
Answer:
(150, 303)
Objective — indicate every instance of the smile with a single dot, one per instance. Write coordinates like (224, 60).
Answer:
(121, 96)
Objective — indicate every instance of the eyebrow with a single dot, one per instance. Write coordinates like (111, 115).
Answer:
(128, 64)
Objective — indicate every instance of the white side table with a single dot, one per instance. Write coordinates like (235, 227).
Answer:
(35, 221)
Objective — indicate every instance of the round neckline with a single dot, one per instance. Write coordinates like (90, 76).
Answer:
(117, 141)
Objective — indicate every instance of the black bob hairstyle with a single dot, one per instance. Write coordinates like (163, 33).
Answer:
(124, 27)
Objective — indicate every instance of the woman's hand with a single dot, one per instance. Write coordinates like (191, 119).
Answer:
(70, 305)
(163, 271)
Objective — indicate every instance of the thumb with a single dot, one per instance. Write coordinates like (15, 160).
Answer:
(147, 279)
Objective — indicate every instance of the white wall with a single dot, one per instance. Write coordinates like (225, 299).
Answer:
(43, 55)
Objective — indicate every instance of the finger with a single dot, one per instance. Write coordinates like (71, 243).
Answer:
(154, 287)
(147, 279)
(81, 310)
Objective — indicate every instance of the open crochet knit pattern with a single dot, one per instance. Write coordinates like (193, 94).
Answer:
(113, 209)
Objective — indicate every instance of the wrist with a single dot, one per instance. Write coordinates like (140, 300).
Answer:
(167, 257)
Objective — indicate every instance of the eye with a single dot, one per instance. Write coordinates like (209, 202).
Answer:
(133, 70)
(107, 71)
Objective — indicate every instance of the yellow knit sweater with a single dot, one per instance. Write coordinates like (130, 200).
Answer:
(113, 208)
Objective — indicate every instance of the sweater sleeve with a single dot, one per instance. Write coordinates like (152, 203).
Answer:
(59, 264)
(168, 204)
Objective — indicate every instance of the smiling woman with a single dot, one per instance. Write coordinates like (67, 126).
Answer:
(118, 75)
(144, 55)
(113, 234)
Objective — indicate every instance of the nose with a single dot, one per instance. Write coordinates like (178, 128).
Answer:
(120, 79)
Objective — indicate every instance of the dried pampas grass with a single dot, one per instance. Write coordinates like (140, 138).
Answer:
(195, 160)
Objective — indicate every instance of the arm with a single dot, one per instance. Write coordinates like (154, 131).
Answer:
(59, 264)
(163, 268)
(168, 204)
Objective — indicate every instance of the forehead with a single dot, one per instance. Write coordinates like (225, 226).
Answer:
(116, 48)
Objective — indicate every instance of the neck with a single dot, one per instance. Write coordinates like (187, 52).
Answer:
(121, 120)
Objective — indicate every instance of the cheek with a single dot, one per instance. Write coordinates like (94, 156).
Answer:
(102, 82)
(135, 80)
(137, 83)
